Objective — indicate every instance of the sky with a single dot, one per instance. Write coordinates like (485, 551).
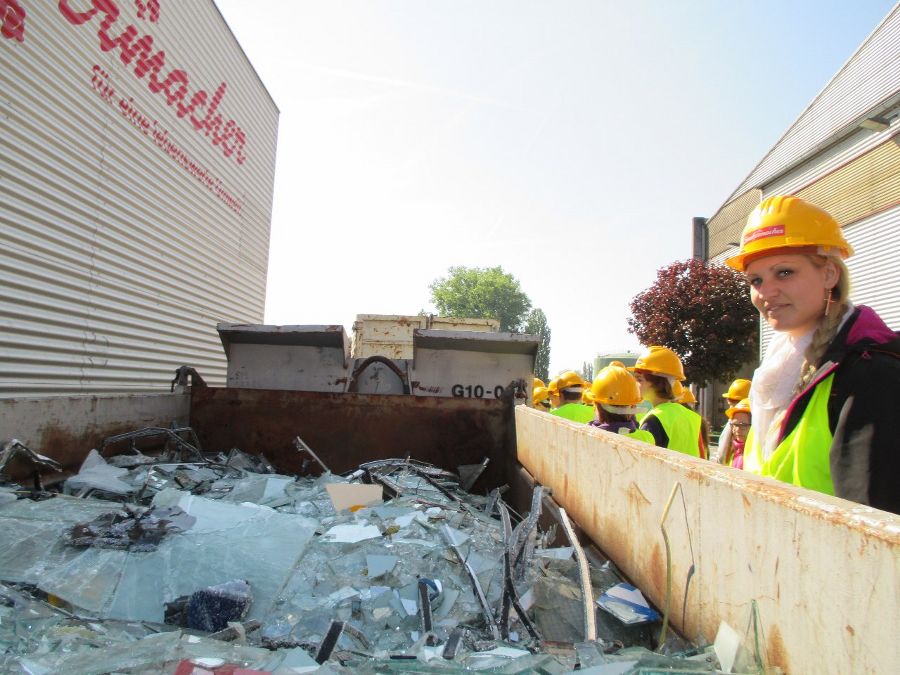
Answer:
(568, 142)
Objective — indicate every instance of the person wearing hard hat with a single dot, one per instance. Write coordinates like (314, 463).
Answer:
(615, 395)
(739, 419)
(685, 397)
(672, 425)
(569, 387)
(540, 397)
(737, 392)
(826, 397)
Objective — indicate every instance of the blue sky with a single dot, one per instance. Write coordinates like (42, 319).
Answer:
(568, 142)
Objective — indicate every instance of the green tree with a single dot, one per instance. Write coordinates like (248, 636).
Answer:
(701, 312)
(587, 370)
(536, 324)
(481, 292)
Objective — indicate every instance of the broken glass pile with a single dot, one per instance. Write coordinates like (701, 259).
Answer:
(215, 566)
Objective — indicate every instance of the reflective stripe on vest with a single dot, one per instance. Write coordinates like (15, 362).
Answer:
(803, 457)
(577, 412)
(681, 425)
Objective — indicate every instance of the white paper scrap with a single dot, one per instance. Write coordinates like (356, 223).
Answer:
(351, 496)
(627, 604)
(726, 646)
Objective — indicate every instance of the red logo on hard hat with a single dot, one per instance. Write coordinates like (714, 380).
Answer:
(12, 20)
(763, 232)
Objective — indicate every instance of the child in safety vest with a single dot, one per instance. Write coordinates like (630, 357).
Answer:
(567, 389)
(739, 419)
(659, 373)
(615, 395)
(737, 392)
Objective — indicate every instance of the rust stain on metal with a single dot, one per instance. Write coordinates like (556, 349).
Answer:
(776, 650)
(657, 572)
(65, 447)
(635, 496)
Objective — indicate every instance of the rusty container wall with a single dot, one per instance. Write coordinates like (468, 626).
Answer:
(65, 428)
(345, 430)
(825, 572)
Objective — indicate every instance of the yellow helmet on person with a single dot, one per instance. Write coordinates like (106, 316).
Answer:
(743, 406)
(587, 396)
(739, 389)
(567, 380)
(660, 361)
(789, 224)
(539, 395)
(683, 394)
(616, 390)
(538, 382)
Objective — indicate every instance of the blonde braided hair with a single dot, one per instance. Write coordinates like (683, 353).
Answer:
(828, 324)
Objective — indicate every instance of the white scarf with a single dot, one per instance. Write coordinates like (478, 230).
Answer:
(773, 385)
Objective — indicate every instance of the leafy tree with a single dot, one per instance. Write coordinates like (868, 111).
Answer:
(481, 292)
(536, 324)
(587, 371)
(703, 313)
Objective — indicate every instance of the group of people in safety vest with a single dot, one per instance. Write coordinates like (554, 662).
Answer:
(822, 410)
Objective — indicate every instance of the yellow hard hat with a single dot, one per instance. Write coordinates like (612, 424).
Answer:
(539, 394)
(587, 397)
(566, 380)
(743, 406)
(616, 390)
(788, 224)
(739, 389)
(660, 361)
(683, 394)
(538, 382)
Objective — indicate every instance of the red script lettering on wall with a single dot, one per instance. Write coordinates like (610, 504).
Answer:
(12, 20)
(200, 109)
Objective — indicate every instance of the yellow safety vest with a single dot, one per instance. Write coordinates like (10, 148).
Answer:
(577, 412)
(640, 435)
(803, 456)
(681, 425)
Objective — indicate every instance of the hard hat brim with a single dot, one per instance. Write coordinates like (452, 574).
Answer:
(740, 261)
(620, 409)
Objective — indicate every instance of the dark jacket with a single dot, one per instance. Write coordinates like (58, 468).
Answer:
(863, 411)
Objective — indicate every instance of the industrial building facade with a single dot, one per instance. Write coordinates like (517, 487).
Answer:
(137, 159)
(843, 154)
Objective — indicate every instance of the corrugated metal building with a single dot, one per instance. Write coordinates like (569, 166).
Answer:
(137, 158)
(842, 153)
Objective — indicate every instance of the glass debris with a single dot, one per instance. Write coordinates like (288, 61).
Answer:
(130, 529)
(212, 609)
(188, 562)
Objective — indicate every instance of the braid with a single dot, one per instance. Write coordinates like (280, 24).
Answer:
(827, 327)
(825, 332)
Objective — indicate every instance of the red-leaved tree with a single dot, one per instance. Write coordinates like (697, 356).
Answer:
(701, 312)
